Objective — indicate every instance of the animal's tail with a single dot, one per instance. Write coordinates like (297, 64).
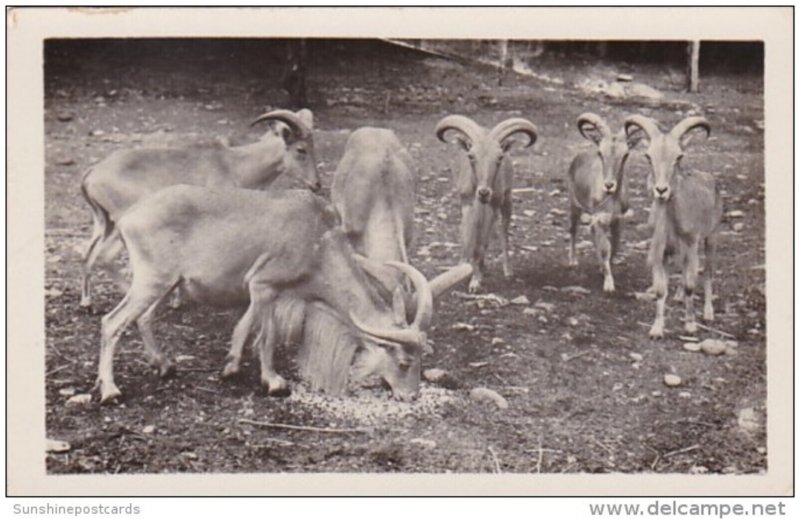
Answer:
(99, 213)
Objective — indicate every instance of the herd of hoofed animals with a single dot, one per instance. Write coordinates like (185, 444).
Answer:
(334, 278)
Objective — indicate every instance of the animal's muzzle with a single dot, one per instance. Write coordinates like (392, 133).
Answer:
(661, 192)
(484, 193)
(610, 187)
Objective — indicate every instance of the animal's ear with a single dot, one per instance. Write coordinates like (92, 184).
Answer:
(307, 117)
(399, 307)
(589, 131)
(287, 135)
(463, 143)
(636, 137)
(693, 135)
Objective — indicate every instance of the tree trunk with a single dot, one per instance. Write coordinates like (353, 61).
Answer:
(693, 67)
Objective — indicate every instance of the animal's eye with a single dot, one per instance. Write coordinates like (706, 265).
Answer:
(471, 156)
(302, 151)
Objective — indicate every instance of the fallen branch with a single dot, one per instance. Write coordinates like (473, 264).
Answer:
(681, 451)
(519, 190)
(301, 427)
(714, 330)
(577, 355)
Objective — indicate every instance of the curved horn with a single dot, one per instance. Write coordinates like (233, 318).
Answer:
(596, 121)
(688, 124)
(646, 124)
(402, 336)
(462, 124)
(509, 127)
(287, 117)
(448, 279)
(423, 292)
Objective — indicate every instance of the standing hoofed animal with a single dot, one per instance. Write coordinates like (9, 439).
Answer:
(126, 176)
(484, 184)
(373, 191)
(687, 208)
(597, 187)
(278, 252)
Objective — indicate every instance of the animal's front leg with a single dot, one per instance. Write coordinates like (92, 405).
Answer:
(505, 214)
(660, 291)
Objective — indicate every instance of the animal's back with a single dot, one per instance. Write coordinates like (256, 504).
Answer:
(212, 237)
(126, 176)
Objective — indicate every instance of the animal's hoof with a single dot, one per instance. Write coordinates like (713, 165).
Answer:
(474, 286)
(608, 286)
(657, 332)
(508, 272)
(277, 387)
(573, 263)
(166, 370)
(708, 314)
(231, 369)
(109, 394)
(690, 327)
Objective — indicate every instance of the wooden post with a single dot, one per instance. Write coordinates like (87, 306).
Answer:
(693, 67)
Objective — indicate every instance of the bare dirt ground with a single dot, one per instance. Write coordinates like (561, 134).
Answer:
(583, 381)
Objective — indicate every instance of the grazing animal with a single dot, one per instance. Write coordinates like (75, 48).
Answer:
(597, 188)
(278, 253)
(687, 209)
(373, 191)
(484, 183)
(126, 176)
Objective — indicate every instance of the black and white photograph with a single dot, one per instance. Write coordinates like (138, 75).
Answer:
(301, 252)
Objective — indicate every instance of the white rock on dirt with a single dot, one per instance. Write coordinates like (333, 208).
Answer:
(575, 289)
(747, 419)
(484, 394)
(521, 300)
(736, 213)
(713, 347)
(738, 227)
(691, 346)
(67, 391)
(434, 374)
(672, 380)
(496, 341)
(79, 400)
(148, 429)
(57, 446)
(422, 442)
(637, 357)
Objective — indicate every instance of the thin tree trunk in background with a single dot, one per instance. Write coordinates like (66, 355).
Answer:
(693, 67)
(294, 78)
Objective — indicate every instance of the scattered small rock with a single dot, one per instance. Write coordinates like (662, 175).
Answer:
(572, 321)
(483, 394)
(463, 326)
(637, 357)
(713, 347)
(57, 446)
(66, 161)
(575, 289)
(738, 226)
(148, 429)
(496, 341)
(53, 292)
(747, 419)
(530, 311)
(65, 117)
(79, 400)
(434, 374)
(672, 380)
(478, 364)
(698, 469)
(735, 214)
(422, 442)
(521, 300)
(691, 346)
(547, 307)
(685, 394)
(67, 391)
(184, 358)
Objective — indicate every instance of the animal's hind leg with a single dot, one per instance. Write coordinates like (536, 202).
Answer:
(136, 302)
(708, 278)
(574, 220)
(154, 354)
(241, 333)
(603, 248)
(267, 337)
